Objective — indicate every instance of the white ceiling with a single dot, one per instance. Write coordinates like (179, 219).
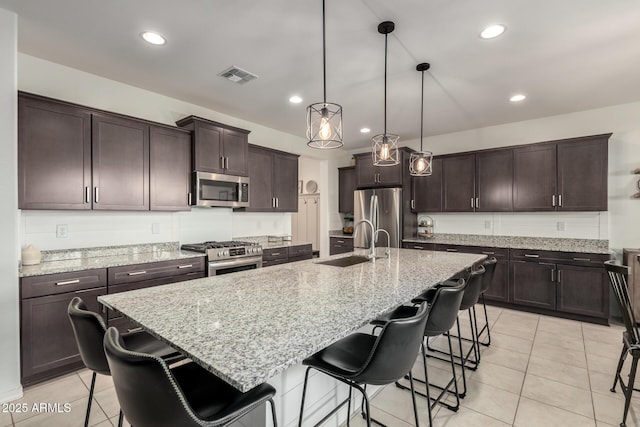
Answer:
(565, 55)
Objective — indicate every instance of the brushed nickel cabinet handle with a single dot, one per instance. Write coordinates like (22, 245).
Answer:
(559, 276)
(531, 256)
(413, 204)
(553, 278)
(340, 241)
(137, 273)
(488, 253)
(275, 254)
(451, 250)
(96, 196)
(477, 202)
(560, 200)
(68, 282)
(418, 247)
(472, 203)
(582, 259)
(131, 330)
(226, 163)
(221, 162)
(185, 266)
(189, 198)
(87, 194)
(553, 200)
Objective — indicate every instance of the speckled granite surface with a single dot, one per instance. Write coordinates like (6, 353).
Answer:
(339, 233)
(63, 261)
(247, 327)
(264, 242)
(595, 246)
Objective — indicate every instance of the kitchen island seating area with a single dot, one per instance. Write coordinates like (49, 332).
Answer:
(152, 395)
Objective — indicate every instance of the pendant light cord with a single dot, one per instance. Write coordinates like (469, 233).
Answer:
(385, 85)
(422, 112)
(324, 57)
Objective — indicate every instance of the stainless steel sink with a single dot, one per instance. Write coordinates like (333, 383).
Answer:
(346, 261)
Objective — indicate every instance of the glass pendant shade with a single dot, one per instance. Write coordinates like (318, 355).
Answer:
(421, 163)
(324, 125)
(385, 150)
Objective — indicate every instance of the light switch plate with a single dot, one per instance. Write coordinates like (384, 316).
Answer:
(62, 231)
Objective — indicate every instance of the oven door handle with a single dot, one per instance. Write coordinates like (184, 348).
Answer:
(235, 262)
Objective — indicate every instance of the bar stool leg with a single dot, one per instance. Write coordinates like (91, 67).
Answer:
(273, 413)
(620, 363)
(304, 393)
(486, 325)
(93, 385)
(349, 407)
(629, 390)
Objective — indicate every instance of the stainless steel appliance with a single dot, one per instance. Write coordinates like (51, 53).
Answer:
(383, 207)
(228, 257)
(214, 189)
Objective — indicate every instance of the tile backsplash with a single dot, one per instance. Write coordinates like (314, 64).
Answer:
(575, 225)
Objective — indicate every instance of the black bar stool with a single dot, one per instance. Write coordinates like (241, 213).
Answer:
(151, 395)
(618, 277)
(360, 359)
(89, 329)
(490, 267)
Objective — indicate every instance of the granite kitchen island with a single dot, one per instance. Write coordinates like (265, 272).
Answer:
(257, 326)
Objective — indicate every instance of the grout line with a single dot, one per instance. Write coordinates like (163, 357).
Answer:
(593, 405)
(526, 370)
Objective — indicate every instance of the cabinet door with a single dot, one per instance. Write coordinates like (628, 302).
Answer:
(120, 163)
(391, 175)
(533, 284)
(54, 155)
(48, 344)
(499, 288)
(427, 190)
(582, 174)
(534, 178)
(285, 182)
(313, 205)
(494, 181)
(583, 290)
(169, 169)
(260, 185)
(458, 183)
(235, 152)
(419, 246)
(207, 148)
(346, 187)
(366, 173)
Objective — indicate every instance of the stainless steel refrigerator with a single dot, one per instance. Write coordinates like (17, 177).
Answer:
(383, 207)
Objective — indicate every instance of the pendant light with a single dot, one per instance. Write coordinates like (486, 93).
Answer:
(420, 162)
(385, 145)
(324, 119)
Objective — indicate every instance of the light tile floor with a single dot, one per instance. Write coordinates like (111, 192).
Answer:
(538, 371)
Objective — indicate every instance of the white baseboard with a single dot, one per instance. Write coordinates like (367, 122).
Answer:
(11, 395)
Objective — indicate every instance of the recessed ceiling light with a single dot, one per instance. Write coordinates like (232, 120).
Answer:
(517, 98)
(492, 31)
(365, 130)
(295, 99)
(153, 38)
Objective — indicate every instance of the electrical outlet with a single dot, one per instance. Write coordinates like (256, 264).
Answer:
(487, 224)
(561, 225)
(62, 231)
(155, 228)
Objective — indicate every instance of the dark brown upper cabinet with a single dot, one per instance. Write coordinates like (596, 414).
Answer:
(494, 181)
(458, 183)
(54, 155)
(534, 178)
(273, 185)
(566, 175)
(217, 148)
(169, 169)
(582, 174)
(346, 187)
(368, 175)
(74, 157)
(120, 163)
(427, 190)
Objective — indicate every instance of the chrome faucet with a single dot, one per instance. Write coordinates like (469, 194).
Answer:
(372, 248)
(388, 251)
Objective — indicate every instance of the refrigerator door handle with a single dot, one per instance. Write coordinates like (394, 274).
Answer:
(376, 212)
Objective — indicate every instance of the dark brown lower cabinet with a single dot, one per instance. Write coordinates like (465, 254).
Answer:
(418, 246)
(533, 284)
(48, 346)
(499, 288)
(582, 290)
(340, 245)
(286, 254)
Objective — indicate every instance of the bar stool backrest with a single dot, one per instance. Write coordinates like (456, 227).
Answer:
(88, 329)
(444, 309)
(489, 265)
(472, 291)
(618, 277)
(395, 350)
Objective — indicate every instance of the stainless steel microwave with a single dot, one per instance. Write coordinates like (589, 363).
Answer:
(214, 189)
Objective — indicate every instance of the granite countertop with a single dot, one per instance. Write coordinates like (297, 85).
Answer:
(249, 326)
(595, 246)
(64, 261)
(264, 242)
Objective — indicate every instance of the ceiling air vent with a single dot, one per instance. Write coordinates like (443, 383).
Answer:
(238, 75)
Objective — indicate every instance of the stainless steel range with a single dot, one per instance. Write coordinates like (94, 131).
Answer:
(228, 257)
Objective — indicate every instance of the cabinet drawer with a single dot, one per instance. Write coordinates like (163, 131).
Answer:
(153, 270)
(275, 253)
(300, 250)
(274, 261)
(419, 246)
(341, 242)
(577, 258)
(52, 284)
(339, 249)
